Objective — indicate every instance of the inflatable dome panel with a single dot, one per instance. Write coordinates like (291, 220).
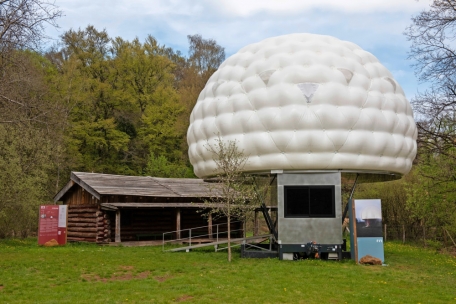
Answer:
(305, 102)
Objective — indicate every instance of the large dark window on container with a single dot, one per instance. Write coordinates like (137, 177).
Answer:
(309, 201)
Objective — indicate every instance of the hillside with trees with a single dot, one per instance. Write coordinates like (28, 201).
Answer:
(91, 103)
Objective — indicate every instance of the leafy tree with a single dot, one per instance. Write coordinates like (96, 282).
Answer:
(27, 151)
(93, 129)
(204, 58)
(146, 79)
(124, 102)
(205, 55)
(432, 201)
(25, 161)
(160, 166)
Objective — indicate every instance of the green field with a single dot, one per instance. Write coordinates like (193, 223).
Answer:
(86, 273)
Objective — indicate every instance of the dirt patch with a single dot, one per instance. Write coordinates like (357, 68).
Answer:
(122, 277)
(184, 298)
(162, 278)
(1, 287)
(126, 276)
(142, 275)
(126, 267)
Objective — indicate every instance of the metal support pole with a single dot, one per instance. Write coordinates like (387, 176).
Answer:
(264, 209)
(350, 198)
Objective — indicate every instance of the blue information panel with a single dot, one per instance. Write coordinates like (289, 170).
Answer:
(369, 233)
(371, 246)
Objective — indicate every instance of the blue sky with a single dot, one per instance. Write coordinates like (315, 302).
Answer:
(375, 25)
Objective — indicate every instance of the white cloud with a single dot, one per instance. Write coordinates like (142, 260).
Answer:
(249, 7)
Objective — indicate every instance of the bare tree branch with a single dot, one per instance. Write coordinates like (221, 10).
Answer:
(433, 36)
(22, 23)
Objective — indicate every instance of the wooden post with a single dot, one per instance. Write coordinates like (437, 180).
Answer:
(450, 237)
(178, 223)
(355, 234)
(209, 227)
(444, 238)
(403, 234)
(424, 235)
(117, 238)
(244, 227)
(255, 224)
(384, 232)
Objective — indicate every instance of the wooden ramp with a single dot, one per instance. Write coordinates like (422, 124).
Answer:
(224, 241)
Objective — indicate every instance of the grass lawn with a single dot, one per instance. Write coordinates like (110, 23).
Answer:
(86, 273)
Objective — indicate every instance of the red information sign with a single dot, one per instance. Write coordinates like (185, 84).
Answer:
(52, 224)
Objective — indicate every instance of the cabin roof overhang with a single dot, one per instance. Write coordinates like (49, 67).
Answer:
(99, 185)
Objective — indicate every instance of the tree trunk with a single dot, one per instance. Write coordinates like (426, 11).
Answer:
(229, 238)
(424, 235)
(403, 234)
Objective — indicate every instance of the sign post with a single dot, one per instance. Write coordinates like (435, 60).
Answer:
(53, 224)
(367, 230)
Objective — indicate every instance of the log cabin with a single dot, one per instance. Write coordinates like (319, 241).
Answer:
(104, 208)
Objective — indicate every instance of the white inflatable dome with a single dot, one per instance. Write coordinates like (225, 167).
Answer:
(305, 102)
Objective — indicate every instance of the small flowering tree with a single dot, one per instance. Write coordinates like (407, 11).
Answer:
(233, 196)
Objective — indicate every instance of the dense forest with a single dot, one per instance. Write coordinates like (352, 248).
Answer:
(97, 104)
(90, 103)
(103, 104)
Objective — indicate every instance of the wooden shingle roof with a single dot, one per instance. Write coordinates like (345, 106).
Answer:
(99, 185)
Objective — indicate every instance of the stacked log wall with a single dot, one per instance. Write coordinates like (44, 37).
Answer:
(88, 224)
